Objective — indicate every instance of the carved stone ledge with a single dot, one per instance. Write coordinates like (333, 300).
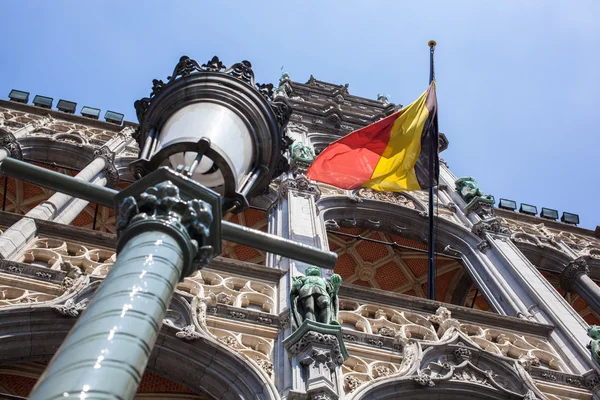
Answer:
(243, 314)
(588, 380)
(492, 225)
(482, 207)
(32, 271)
(300, 185)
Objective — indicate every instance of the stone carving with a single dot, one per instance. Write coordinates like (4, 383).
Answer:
(462, 354)
(384, 99)
(594, 345)
(469, 190)
(352, 383)
(189, 333)
(10, 143)
(110, 170)
(224, 298)
(301, 152)
(163, 203)
(490, 225)
(312, 337)
(265, 365)
(414, 328)
(572, 272)
(394, 198)
(528, 360)
(314, 298)
(73, 274)
(300, 185)
(70, 308)
(423, 380)
(229, 341)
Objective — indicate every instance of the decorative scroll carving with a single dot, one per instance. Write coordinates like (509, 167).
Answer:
(10, 143)
(70, 308)
(300, 185)
(189, 333)
(110, 170)
(489, 225)
(394, 198)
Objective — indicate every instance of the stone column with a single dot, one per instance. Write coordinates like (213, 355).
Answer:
(575, 278)
(526, 286)
(105, 354)
(75, 206)
(294, 217)
(15, 238)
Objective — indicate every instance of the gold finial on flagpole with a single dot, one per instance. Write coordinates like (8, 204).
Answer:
(432, 43)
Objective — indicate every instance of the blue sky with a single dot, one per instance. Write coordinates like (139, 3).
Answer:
(518, 81)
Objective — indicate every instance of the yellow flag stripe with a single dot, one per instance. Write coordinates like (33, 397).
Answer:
(395, 170)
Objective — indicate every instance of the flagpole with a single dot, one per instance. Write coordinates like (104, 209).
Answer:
(430, 253)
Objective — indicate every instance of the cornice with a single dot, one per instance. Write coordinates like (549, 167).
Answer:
(560, 226)
(65, 116)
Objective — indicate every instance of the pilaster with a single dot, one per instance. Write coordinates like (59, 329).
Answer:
(317, 353)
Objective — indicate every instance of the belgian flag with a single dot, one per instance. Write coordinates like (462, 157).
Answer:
(398, 153)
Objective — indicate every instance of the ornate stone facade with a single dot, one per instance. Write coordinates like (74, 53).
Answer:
(510, 318)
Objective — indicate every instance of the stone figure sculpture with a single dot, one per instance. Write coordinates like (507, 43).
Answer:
(314, 298)
(469, 190)
(301, 152)
(594, 345)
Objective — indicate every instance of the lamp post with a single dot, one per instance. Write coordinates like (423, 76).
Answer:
(209, 139)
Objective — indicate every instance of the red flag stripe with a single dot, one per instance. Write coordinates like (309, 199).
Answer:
(350, 161)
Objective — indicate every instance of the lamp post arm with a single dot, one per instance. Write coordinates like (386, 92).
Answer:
(59, 182)
(277, 245)
(105, 196)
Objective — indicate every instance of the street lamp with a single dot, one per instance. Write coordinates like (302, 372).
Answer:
(209, 138)
(216, 125)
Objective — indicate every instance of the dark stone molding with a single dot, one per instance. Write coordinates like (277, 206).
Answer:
(32, 271)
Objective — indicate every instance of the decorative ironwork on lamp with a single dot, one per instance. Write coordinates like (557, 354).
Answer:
(217, 126)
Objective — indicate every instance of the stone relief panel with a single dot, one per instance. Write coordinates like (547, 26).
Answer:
(257, 350)
(543, 236)
(57, 254)
(396, 330)
(10, 295)
(234, 291)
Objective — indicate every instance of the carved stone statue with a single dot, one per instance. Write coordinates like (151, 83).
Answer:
(314, 298)
(301, 152)
(594, 345)
(469, 190)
